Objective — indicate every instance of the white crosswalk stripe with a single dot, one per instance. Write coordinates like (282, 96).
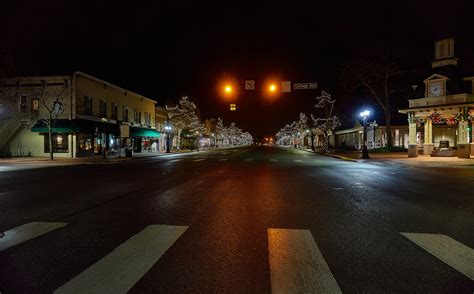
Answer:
(297, 265)
(27, 232)
(445, 248)
(126, 265)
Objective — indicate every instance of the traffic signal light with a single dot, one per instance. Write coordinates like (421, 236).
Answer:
(233, 107)
(272, 87)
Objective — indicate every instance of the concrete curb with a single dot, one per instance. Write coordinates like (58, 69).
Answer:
(331, 155)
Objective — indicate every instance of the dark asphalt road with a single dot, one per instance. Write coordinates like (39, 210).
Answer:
(228, 199)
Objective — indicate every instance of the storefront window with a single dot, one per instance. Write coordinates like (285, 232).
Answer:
(84, 142)
(59, 143)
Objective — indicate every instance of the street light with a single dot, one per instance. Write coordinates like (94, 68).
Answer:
(168, 136)
(365, 152)
(104, 120)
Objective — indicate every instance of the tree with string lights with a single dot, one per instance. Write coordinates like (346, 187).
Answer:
(326, 122)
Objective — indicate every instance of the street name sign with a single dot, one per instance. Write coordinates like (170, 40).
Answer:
(305, 86)
(249, 85)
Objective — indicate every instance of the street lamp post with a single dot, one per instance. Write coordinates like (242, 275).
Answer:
(105, 143)
(168, 136)
(365, 152)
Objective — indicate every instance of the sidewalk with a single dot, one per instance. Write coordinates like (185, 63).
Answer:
(402, 157)
(21, 163)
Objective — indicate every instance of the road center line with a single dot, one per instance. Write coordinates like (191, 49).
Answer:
(27, 232)
(453, 253)
(297, 265)
(123, 267)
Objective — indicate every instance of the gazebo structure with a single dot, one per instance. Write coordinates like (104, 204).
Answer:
(440, 117)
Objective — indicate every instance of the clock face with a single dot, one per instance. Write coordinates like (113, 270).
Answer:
(435, 89)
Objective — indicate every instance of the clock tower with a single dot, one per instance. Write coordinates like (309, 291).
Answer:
(444, 53)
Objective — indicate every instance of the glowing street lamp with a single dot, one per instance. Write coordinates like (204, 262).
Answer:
(168, 129)
(228, 89)
(365, 152)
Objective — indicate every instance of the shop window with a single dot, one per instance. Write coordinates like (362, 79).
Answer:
(114, 111)
(84, 142)
(87, 105)
(23, 107)
(103, 108)
(59, 143)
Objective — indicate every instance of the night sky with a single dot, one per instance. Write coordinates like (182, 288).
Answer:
(165, 50)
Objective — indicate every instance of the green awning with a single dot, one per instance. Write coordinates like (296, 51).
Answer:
(143, 132)
(59, 126)
(55, 130)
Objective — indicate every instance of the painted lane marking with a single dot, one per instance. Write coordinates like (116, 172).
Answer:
(175, 160)
(453, 253)
(248, 159)
(273, 159)
(297, 265)
(223, 159)
(126, 265)
(199, 159)
(298, 160)
(27, 232)
(338, 188)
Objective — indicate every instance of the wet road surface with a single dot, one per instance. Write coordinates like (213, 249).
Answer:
(239, 220)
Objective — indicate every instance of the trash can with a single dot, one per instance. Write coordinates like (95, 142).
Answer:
(128, 153)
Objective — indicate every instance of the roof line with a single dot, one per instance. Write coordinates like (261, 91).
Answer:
(110, 84)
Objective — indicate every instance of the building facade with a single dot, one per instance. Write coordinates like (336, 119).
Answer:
(440, 115)
(352, 138)
(88, 117)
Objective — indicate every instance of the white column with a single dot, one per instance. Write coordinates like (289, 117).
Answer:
(428, 145)
(412, 144)
(463, 132)
(464, 147)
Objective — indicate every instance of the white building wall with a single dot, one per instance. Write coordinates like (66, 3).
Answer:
(28, 143)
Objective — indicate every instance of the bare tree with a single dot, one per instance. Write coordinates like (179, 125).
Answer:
(325, 121)
(53, 109)
(184, 116)
(379, 74)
